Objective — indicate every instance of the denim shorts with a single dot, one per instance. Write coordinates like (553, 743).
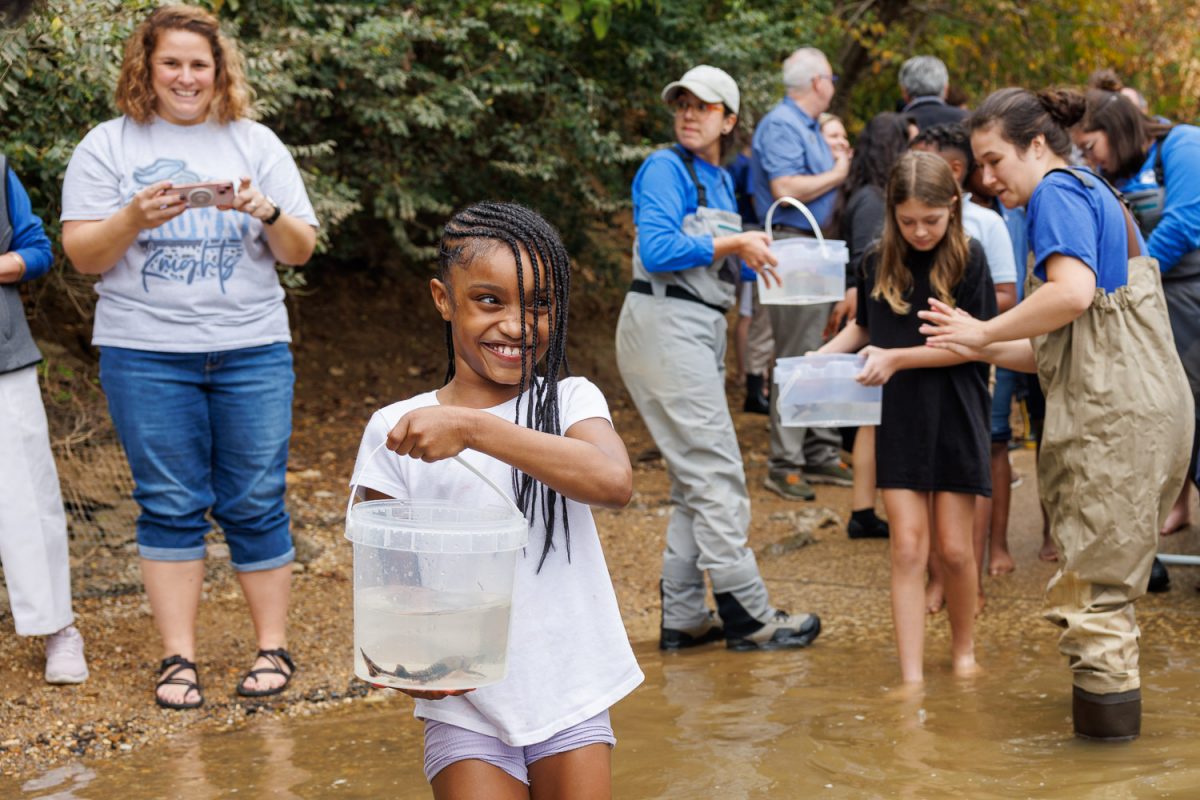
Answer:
(1002, 400)
(206, 432)
(446, 744)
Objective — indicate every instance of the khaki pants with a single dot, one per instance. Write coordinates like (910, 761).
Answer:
(1117, 407)
(33, 527)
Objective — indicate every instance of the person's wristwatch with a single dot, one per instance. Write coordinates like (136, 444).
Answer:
(274, 214)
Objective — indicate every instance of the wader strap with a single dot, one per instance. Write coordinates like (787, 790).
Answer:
(671, 290)
(689, 161)
(1089, 180)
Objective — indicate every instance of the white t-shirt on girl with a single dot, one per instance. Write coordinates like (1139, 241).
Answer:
(205, 281)
(568, 656)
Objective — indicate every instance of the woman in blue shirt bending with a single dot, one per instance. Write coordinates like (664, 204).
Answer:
(671, 340)
(1156, 165)
(1095, 331)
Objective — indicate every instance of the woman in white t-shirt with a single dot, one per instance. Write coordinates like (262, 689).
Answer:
(545, 725)
(183, 206)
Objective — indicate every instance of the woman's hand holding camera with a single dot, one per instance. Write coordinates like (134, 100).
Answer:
(253, 202)
(155, 205)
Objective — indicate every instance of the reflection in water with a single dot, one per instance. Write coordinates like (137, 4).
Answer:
(827, 721)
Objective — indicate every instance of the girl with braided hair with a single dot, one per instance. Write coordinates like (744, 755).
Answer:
(502, 287)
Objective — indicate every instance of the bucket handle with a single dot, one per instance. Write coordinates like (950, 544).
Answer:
(807, 214)
(503, 495)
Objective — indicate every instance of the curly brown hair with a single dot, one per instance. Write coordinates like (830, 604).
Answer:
(135, 91)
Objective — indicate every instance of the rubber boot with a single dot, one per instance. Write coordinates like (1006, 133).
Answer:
(756, 399)
(1160, 579)
(1107, 717)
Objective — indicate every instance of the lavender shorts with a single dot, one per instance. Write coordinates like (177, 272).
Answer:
(446, 744)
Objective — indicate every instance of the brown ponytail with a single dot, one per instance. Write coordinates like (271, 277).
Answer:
(1022, 116)
(1129, 131)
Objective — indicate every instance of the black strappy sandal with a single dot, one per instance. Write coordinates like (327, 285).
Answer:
(279, 658)
(172, 678)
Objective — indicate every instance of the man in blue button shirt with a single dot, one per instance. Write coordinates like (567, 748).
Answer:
(791, 159)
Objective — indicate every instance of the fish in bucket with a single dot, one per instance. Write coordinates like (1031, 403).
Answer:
(820, 391)
(433, 585)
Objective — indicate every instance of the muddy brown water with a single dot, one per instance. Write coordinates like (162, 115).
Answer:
(826, 722)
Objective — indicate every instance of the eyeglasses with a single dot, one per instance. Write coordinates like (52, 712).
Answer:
(830, 77)
(681, 107)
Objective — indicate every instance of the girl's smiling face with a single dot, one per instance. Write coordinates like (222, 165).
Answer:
(182, 73)
(922, 225)
(485, 312)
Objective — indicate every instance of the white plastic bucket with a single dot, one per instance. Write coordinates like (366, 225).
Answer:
(811, 270)
(433, 590)
(820, 391)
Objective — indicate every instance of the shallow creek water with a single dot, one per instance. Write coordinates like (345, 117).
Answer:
(826, 722)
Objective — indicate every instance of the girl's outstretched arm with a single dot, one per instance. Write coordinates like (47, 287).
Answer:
(587, 464)
(850, 339)
(1016, 355)
(1066, 295)
(883, 363)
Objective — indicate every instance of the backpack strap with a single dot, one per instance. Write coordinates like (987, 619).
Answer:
(1160, 172)
(1089, 179)
(689, 161)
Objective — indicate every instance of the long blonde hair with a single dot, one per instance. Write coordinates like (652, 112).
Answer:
(135, 91)
(925, 177)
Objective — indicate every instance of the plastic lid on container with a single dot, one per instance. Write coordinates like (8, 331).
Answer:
(435, 526)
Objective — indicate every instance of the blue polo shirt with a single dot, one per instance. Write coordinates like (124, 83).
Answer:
(789, 142)
(1070, 219)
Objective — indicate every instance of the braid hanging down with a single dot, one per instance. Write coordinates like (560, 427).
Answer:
(526, 234)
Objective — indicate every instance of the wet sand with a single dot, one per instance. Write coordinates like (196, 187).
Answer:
(829, 721)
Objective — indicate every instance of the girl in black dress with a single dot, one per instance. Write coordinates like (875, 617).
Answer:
(932, 447)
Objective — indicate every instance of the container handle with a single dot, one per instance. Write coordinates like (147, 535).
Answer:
(503, 496)
(807, 214)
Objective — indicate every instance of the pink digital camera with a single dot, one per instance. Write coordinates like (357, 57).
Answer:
(201, 195)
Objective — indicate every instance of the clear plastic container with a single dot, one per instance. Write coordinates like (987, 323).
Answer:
(433, 591)
(821, 392)
(811, 270)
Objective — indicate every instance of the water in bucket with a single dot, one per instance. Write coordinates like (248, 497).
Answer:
(820, 391)
(810, 270)
(433, 592)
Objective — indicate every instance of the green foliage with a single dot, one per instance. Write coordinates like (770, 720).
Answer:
(398, 113)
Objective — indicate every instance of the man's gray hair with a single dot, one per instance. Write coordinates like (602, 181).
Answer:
(802, 66)
(921, 76)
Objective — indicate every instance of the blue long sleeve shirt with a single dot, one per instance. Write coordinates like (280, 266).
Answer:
(663, 194)
(1178, 231)
(29, 239)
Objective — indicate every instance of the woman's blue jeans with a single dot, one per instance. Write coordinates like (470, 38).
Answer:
(206, 432)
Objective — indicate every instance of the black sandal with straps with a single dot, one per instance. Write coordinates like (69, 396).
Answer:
(171, 678)
(279, 658)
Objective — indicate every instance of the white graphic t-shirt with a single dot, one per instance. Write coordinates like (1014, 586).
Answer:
(204, 281)
(568, 655)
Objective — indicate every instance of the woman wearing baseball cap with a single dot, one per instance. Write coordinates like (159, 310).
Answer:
(671, 352)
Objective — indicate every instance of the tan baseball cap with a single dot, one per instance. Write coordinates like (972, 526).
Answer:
(710, 84)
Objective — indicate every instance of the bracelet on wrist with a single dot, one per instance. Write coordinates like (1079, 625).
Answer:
(274, 214)
(22, 267)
